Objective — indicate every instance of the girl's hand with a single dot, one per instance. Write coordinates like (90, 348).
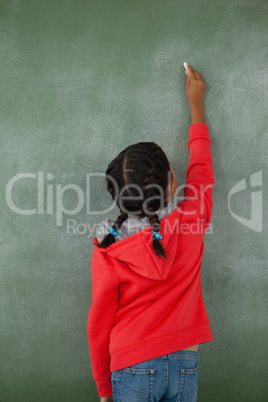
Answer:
(107, 398)
(195, 87)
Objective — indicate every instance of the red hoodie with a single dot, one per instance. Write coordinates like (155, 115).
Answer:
(144, 306)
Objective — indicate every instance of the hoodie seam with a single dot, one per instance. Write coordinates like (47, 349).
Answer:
(162, 336)
(116, 272)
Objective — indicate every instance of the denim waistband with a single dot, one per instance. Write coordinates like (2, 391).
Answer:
(183, 353)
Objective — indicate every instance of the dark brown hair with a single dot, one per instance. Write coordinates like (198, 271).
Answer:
(137, 180)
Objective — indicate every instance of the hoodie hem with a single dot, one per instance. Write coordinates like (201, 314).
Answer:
(165, 344)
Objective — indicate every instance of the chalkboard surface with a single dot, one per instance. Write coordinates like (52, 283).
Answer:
(80, 81)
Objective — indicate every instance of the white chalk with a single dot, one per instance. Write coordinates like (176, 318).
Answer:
(185, 66)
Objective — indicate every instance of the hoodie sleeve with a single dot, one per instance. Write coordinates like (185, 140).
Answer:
(105, 297)
(199, 175)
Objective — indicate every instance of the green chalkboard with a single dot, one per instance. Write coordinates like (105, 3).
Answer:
(80, 81)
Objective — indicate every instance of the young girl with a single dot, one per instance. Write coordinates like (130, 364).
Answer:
(148, 316)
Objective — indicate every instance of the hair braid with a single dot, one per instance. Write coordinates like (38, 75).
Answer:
(121, 218)
(157, 246)
(109, 239)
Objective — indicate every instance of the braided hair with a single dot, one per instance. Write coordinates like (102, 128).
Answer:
(137, 180)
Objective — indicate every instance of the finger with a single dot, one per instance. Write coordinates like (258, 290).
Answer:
(191, 72)
(187, 79)
(199, 76)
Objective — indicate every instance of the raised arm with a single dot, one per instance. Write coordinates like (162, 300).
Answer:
(195, 91)
(199, 175)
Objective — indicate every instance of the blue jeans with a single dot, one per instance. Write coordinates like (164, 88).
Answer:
(172, 377)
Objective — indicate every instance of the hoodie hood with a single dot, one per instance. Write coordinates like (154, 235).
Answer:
(134, 243)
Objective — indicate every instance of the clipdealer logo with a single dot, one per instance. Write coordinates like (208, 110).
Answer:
(57, 192)
(49, 199)
(255, 220)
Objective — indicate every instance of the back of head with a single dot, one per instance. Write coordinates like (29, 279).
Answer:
(137, 180)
